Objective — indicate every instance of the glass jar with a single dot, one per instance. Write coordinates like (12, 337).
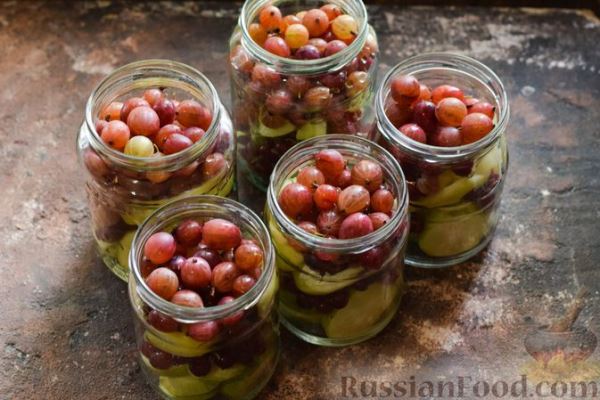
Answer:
(240, 359)
(328, 95)
(337, 292)
(454, 191)
(123, 190)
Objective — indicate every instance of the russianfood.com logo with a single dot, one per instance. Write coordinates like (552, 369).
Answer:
(559, 368)
(467, 387)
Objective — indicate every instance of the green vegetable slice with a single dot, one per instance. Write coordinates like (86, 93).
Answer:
(364, 310)
(188, 386)
(454, 235)
(177, 343)
(283, 248)
(312, 283)
(312, 129)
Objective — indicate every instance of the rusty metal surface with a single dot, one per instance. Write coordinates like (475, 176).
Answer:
(65, 325)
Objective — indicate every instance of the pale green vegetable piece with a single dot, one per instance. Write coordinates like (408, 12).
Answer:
(268, 297)
(124, 248)
(187, 386)
(363, 311)
(452, 193)
(312, 283)
(177, 343)
(283, 264)
(447, 177)
(453, 189)
(219, 375)
(360, 102)
(283, 130)
(491, 162)
(293, 313)
(453, 236)
(283, 248)
(246, 383)
(312, 129)
(177, 370)
(110, 248)
(137, 213)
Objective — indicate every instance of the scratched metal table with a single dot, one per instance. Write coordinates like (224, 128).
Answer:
(65, 326)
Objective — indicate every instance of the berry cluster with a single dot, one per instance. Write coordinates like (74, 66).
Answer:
(306, 35)
(200, 265)
(442, 117)
(149, 127)
(273, 111)
(332, 200)
(140, 125)
(164, 147)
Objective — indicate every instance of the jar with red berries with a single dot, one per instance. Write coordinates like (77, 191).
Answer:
(203, 290)
(337, 211)
(444, 117)
(153, 131)
(299, 69)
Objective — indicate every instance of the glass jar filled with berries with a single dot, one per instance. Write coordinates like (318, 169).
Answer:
(444, 117)
(153, 131)
(299, 69)
(202, 288)
(337, 211)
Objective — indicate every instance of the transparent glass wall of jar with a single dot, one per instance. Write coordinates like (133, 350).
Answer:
(123, 190)
(239, 361)
(454, 192)
(328, 95)
(337, 292)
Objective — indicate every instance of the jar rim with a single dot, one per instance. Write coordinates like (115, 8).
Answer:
(450, 61)
(285, 65)
(347, 142)
(125, 74)
(171, 211)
